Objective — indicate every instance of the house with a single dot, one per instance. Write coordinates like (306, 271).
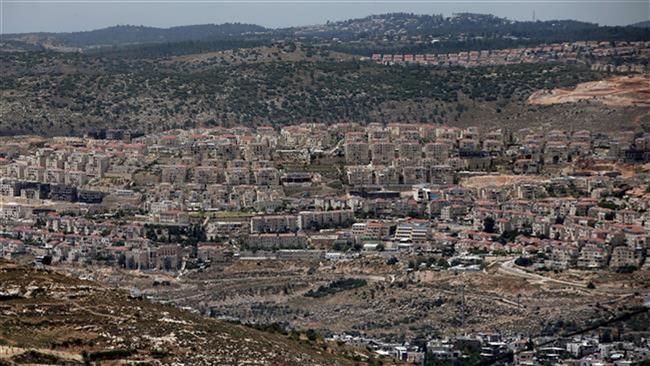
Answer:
(213, 253)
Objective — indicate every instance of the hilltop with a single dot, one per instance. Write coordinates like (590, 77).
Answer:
(151, 79)
(375, 33)
(642, 24)
(132, 34)
(50, 318)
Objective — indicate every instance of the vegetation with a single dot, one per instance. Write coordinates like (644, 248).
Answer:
(627, 269)
(488, 225)
(112, 354)
(607, 204)
(392, 261)
(523, 261)
(428, 262)
(169, 49)
(336, 287)
(77, 303)
(36, 357)
(179, 94)
(130, 34)
(388, 33)
(508, 236)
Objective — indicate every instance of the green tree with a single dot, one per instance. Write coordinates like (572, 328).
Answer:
(488, 224)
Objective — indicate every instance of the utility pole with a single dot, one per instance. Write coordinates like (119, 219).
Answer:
(462, 306)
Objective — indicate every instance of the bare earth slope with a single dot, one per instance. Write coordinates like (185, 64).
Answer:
(620, 91)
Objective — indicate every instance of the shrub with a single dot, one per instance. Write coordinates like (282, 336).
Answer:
(488, 225)
(391, 261)
(523, 261)
(626, 269)
(113, 354)
(337, 286)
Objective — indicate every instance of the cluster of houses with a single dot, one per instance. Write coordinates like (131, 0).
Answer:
(584, 51)
(607, 346)
(565, 199)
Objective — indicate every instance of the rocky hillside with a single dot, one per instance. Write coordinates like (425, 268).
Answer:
(49, 318)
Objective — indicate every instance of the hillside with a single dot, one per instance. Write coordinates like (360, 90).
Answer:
(394, 32)
(49, 318)
(130, 34)
(151, 79)
(616, 91)
(642, 24)
(413, 33)
(56, 93)
(469, 24)
(389, 303)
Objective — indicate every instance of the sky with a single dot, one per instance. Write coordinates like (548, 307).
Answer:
(21, 16)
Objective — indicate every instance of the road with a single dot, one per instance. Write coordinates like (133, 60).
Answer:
(508, 267)
(614, 294)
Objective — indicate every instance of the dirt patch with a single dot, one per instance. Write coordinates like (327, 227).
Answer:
(482, 181)
(619, 91)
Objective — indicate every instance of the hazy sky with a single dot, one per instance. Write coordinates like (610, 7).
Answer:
(73, 15)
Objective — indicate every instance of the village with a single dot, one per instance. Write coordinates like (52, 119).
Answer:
(579, 350)
(598, 54)
(534, 202)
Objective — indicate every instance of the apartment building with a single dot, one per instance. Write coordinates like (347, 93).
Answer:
(623, 256)
(274, 224)
(382, 152)
(356, 153)
(314, 220)
(413, 232)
